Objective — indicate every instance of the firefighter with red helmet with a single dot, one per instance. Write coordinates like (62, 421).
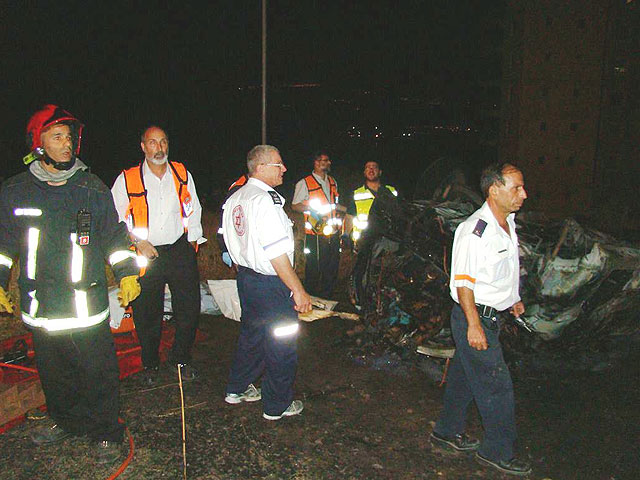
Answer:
(59, 220)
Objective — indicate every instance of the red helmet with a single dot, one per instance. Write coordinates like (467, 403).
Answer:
(50, 115)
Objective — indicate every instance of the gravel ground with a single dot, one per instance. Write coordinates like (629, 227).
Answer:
(358, 423)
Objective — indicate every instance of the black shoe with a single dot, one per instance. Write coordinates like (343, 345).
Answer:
(510, 467)
(188, 372)
(459, 442)
(107, 452)
(150, 375)
(48, 434)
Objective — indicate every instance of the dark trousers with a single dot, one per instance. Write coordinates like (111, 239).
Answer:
(79, 375)
(176, 266)
(266, 304)
(323, 259)
(482, 376)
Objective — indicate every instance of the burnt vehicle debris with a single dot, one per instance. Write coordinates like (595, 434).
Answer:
(581, 288)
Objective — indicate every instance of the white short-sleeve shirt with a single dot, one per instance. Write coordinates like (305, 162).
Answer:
(256, 228)
(485, 260)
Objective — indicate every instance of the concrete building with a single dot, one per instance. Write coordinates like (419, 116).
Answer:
(569, 105)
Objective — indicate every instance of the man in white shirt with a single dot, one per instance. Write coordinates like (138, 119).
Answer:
(259, 238)
(316, 196)
(485, 275)
(158, 201)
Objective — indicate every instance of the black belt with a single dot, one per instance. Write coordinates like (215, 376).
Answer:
(487, 311)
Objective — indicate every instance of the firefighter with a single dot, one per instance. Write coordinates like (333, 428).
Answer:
(259, 237)
(159, 203)
(60, 221)
(316, 196)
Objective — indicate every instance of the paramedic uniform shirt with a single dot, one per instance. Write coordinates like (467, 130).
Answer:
(485, 260)
(256, 228)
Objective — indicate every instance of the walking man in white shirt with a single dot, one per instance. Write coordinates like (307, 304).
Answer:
(485, 277)
(158, 201)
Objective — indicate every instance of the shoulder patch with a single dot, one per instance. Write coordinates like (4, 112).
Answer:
(479, 228)
(275, 197)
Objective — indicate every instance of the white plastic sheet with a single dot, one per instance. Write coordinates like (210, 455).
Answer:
(225, 294)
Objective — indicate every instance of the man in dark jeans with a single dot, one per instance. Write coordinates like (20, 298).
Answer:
(485, 273)
(157, 199)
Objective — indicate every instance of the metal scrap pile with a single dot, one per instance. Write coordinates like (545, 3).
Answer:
(581, 287)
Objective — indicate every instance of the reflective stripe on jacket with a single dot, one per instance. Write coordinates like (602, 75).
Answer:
(62, 278)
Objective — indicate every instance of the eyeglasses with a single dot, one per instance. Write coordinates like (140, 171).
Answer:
(279, 165)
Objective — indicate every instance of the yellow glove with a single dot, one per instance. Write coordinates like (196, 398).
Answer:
(6, 305)
(129, 290)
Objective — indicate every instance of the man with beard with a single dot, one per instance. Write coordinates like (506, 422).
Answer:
(158, 201)
(317, 197)
(485, 276)
(59, 220)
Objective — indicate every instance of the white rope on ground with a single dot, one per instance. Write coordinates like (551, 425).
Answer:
(184, 436)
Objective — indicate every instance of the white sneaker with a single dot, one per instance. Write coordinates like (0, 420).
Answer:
(251, 394)
(295, 408)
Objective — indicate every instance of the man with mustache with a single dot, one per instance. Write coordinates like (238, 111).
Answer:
(60, 221)
(485, 275)
(316, 196)
(158, 201)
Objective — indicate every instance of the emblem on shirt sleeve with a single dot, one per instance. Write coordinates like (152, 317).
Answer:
(239, 222)
(479, 228)
(275, 197)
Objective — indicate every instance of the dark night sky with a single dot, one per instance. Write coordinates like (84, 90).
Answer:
(119, 66)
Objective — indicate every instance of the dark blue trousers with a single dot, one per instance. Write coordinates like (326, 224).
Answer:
(482, 376)
(266, 304)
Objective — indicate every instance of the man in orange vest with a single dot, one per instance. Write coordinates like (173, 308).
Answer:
(158, 201)
(316, 196)
(224, 253)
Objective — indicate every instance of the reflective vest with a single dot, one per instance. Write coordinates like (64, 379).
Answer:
(321, 211)
(137, 213)
(232, 189)
(363, 198)
(239, 182)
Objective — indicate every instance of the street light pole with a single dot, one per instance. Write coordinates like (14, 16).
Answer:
(264, 72)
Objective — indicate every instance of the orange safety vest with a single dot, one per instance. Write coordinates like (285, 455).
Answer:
(316, 194)
(239, 182)
(137, 213)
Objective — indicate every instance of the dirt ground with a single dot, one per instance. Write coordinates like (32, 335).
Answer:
(358, 423)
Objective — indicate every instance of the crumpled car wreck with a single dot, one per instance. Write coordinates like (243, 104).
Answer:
(581, 287)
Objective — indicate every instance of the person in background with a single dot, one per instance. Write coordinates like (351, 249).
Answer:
(224, 254)
(316, 196)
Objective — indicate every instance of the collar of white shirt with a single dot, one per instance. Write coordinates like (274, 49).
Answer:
(263, 186)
